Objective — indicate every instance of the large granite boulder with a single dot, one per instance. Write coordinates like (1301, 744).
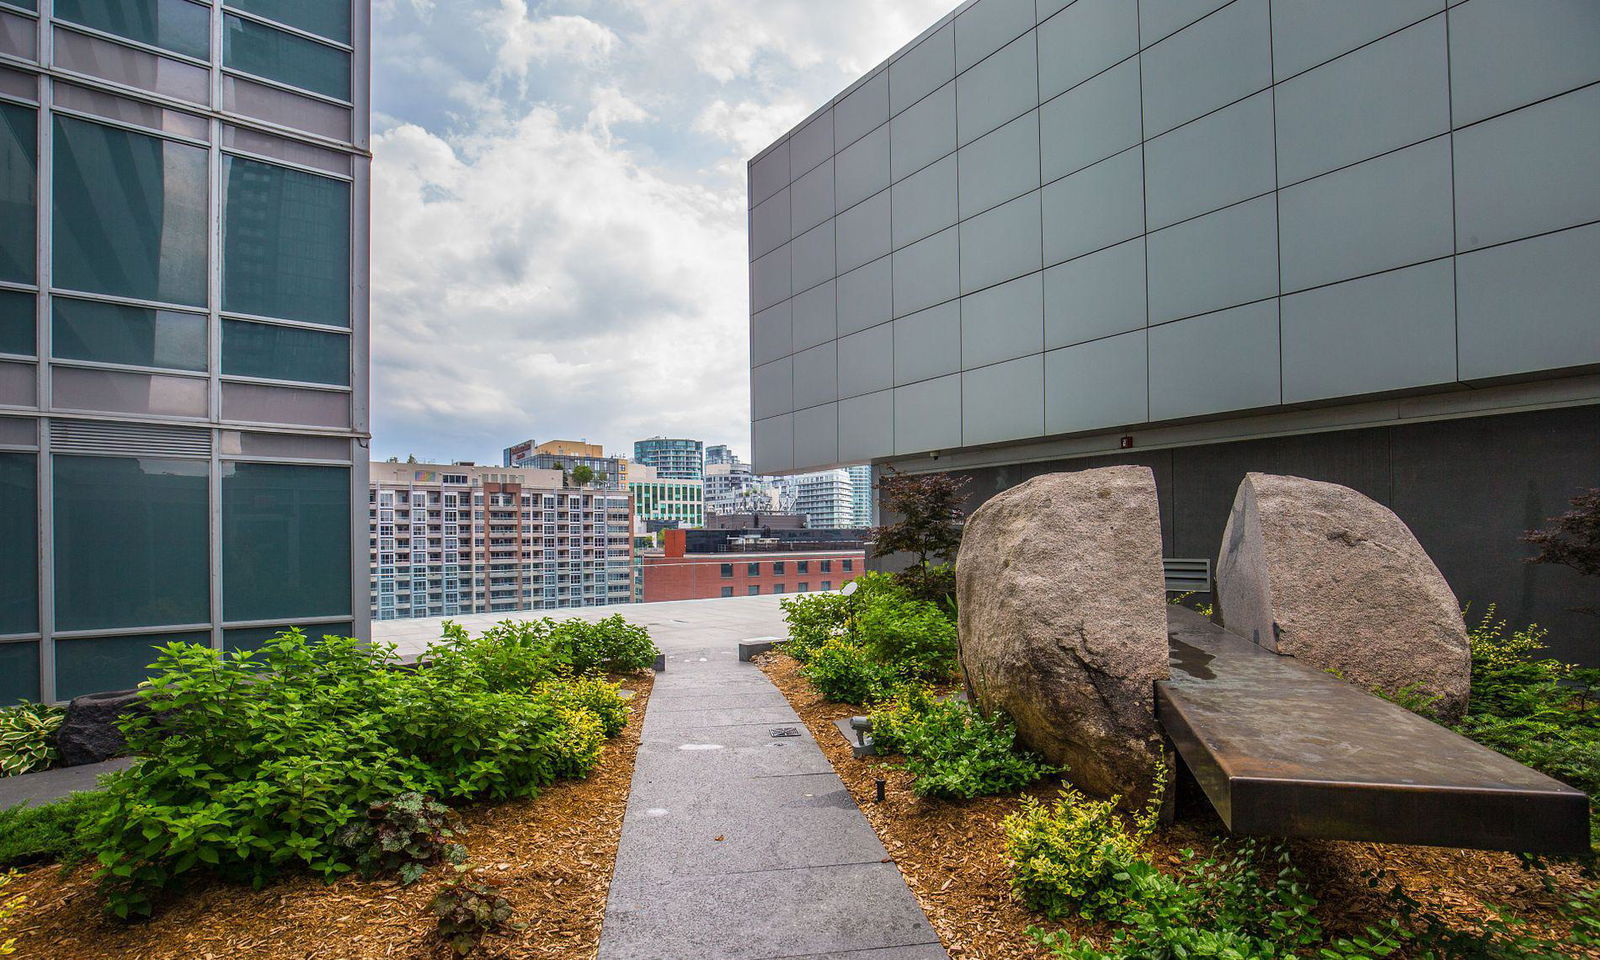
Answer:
(1320, 572)
(89, 734)
(1064, 621)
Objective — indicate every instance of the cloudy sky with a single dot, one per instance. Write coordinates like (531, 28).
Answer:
(559, 208)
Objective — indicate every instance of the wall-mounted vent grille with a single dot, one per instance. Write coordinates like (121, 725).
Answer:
(128, 439)
(1187, 576)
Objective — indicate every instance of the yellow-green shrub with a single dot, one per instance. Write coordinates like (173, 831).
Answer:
(1074, 856)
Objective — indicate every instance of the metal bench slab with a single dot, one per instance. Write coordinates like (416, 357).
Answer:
(1284, 749)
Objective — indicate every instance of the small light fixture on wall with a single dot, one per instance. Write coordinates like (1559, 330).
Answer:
(1127, 443)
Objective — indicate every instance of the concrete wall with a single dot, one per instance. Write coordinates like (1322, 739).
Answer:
(1050, 218)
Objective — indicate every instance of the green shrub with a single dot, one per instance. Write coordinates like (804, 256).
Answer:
(594, 694)
(915, 638)
(814, 619)
(27, 737)
(612, 645)
(844, 673)
(952, 750)
(510, 656)
(9, 906)
(405, 836)
(1075, 856)
(468, 912)
(48, 833)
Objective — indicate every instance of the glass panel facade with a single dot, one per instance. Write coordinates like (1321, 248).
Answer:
(258, 49)
(115, 391)
(19, 672)
(24, 4)
(284, 353)
(130, 214)
(19, 164)
(286, 243)
(251, 638)
(98, 664)
(325, 18)
(138, 336)
(285, 541)
(130, 542)
(16, 322)
(19, 532)
(132, 66)
(176, 25)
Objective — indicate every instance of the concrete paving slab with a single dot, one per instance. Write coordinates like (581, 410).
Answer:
(48, 786)
(925, 951)
(735, 716)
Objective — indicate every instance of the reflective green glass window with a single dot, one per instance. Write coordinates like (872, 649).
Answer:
(19, 164)
(325, 18)
(130, 214)
(19, 672)
(251, 638)
(176, 25)
(258, 49)
(139, 336)
(16, 322)
(284, 353)
(131, 542)
(285, 244)
(98, 664)
(19, 532)
(285, 541)
(24, 4)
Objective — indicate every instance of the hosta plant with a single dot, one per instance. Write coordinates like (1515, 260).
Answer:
(27, 737)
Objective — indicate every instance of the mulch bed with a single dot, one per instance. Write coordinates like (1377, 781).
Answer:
(551, 857)
(952, 854)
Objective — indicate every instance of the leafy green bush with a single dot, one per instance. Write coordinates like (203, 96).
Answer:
(844, 673)
(9, 906)
(1074, 856)
(510, 656)
(27, 737)
(598, 696)
(405, 835)
(468, 912)
(612, 645)
(814, 619)
(48, 833)
(915, 638)
(952, 750)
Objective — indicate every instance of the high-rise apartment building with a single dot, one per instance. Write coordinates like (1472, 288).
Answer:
(1355, 242)
(183, 330)
(670, 501)
(730, 488)
(826, 499)
(862, 499)
(610, 473)
(720, 453)
(452, 540)
(673, 459)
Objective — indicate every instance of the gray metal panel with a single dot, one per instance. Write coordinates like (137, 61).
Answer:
(1160, 18)
(925, 132)
(925, 202)
(811, 198)
(1529, 172)
(769, 174)
(769, 279)
(1091, 122)
(811, 144)
(1223, 58)
(1000, 166)
(864, 110)
(1508, 53)
(866, 427)
(862, 169)
(771, 333)
(925, 68)
(1219, 260)
(863, 232)
(1531, 305)
(769, 224)
(1388, 212)
(927, 415)
(1003, 402)
(926, 273)
(1083, 40)
(1308, 32)
(1049, 8)
(816, 375)
(814, 317)
(772, 444)
(813, 257)
(1000, 244)
(772, 388)
(816, 435)
(1003, 322)
(928, 344)
(1387, 332)
(1094, 208)
(1216, 363)
(1095, 296)
(988, 25)
(866, 296)
(866, 361)
(1206, 165)
(1002, 87)
(1095, 385)
(1379, 98)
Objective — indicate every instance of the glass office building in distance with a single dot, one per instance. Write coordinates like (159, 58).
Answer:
(673, 459)
(183, 330)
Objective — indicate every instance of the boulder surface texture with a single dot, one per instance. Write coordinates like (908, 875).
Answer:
(1320, 572)
(1064, 621)
(88, 733)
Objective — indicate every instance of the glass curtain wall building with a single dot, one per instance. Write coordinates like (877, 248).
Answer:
(183, 330)
(673, 459)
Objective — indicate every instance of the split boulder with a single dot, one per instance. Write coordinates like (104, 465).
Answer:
(1320, 572)
(1063, 616)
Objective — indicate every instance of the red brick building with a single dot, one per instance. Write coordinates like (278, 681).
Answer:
(676, 574)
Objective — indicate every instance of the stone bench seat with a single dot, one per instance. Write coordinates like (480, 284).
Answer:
(1283, 749)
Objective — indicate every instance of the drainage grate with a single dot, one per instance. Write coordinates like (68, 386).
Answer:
(785, 732)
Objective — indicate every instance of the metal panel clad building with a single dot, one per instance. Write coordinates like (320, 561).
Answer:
(1044, 227)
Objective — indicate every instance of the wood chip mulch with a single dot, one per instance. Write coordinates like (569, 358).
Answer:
(952, 855)
(551, 857)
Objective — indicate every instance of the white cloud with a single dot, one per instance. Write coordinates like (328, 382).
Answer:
(527, 40)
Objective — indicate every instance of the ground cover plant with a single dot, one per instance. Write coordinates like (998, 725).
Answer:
(27, 737)
(951, 750)
(48, 833)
